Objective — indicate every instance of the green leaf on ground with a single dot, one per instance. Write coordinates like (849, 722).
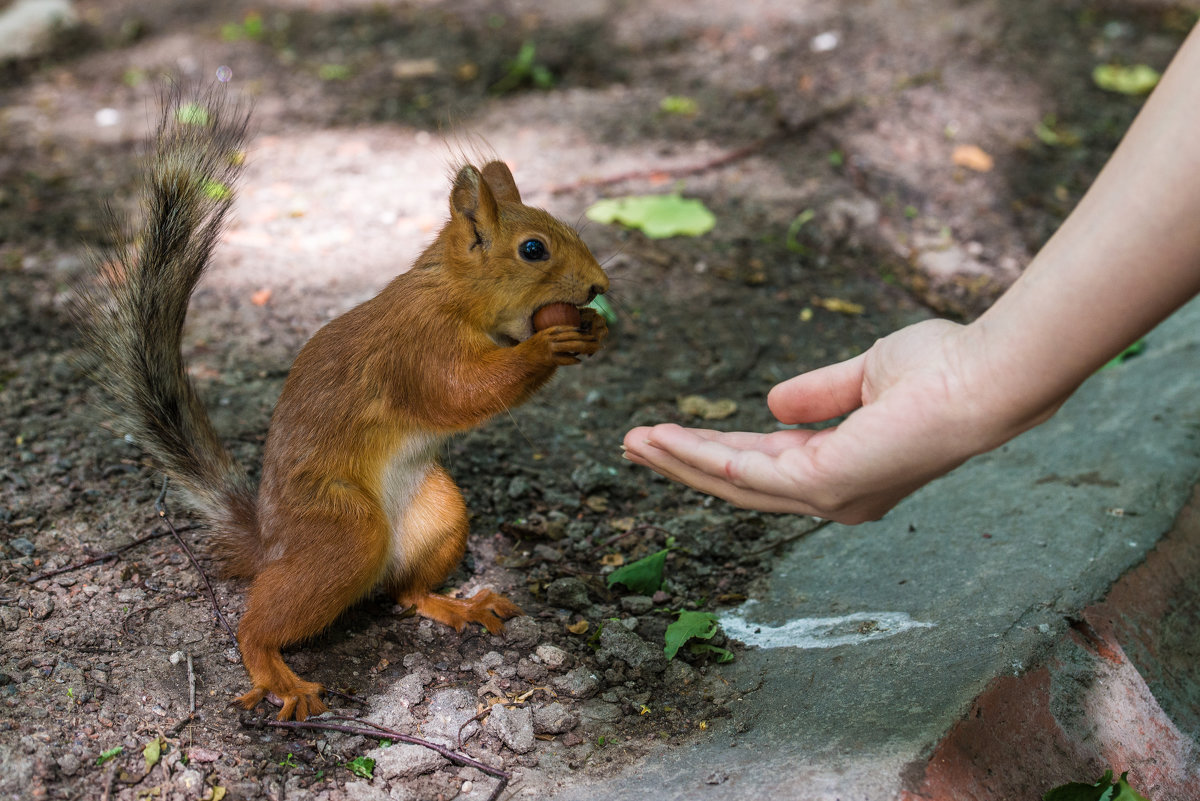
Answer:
(657, 216)
(217, 190)
(1133, 350)
(1134, 80)
(1102, 790)
(689, 626)
(643, 576)
(192, 114)
(109, 754)
(152, 752)
(333, 72)
(362, 766)
(723, 654)
(678, 104)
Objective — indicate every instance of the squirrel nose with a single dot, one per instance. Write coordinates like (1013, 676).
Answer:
(593, 292)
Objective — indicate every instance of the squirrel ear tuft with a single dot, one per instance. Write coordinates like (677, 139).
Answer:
(472, 199)
(500, 180)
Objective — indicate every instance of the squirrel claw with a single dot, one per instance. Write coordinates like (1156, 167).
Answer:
(303, 702)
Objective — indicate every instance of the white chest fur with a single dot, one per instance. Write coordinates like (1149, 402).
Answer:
(403, 477)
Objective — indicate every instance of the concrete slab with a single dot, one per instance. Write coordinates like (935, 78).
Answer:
(879, 639)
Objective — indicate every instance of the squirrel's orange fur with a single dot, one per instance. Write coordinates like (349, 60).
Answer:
(352, 496)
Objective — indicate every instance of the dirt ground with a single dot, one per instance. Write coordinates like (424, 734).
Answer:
(822, 136)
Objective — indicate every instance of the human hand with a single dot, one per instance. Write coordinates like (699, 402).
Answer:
(919, 404)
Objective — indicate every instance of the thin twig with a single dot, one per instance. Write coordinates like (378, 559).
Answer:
(792, 538)
(191, 685)
(104, 557)
(109, 782)
(381, 732)
(160, 506)
(737, 154)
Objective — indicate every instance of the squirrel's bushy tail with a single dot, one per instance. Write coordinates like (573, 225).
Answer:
(132, 314)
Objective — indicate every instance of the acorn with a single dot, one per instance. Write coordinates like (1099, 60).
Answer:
(556, 314)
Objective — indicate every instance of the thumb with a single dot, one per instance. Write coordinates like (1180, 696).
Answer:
(820, 394)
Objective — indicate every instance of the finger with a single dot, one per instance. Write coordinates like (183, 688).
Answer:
(820, 394)
(748, 469)
(668, 466)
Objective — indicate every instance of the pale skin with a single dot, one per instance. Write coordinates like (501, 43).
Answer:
(926, 398)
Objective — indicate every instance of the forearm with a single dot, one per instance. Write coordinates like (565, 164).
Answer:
(1126, 258)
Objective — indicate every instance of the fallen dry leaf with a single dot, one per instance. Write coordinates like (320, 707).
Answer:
(699, 406)
(838, 305)
(612, 560)
(579, 627)
(973, 158)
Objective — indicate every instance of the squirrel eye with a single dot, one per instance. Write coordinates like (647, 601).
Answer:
(533, 250)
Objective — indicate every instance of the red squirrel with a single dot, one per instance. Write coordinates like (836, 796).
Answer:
(352, 495)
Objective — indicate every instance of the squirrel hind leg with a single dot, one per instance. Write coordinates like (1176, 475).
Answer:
(435, 528)
(290, 600)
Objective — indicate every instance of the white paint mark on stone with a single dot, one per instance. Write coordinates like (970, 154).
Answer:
(819, 632)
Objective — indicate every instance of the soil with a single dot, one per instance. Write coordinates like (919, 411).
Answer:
(841, 216)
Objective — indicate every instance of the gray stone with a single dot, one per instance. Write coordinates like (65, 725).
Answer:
(637, 604)
(568, 593)
(617, 642)
(513, 726)
(449, 710)
(361, 790)
(578, 683)
(598, 711)
(22, 546)
(553, 718)
(393, 708)
(552, 656)
(522, 632)
(10, 618)
(405, 760)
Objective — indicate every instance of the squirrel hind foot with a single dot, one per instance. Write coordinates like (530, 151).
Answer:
(488, 608)
(297, 703)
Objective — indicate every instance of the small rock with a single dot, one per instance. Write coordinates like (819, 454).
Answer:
(190, 781)
(578, 683)
(522, 633)
(531, 671)
(69, 763)
(552, 656)
(359, 791)
(617, 642)
(637, 604)
(449, 710)
(512, 726)
(716, 777)
(405, 761)
(553, 718)
(546, 553)
(598, 711)
(519, 487)
(10, 618)
(22, 546)
(568, 593)
(593, 476)
(43, 608)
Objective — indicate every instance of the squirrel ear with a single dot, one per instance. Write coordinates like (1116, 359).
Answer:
(500, 180)
(472, 199)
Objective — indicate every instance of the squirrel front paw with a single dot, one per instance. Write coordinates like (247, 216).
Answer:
(563, 344)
